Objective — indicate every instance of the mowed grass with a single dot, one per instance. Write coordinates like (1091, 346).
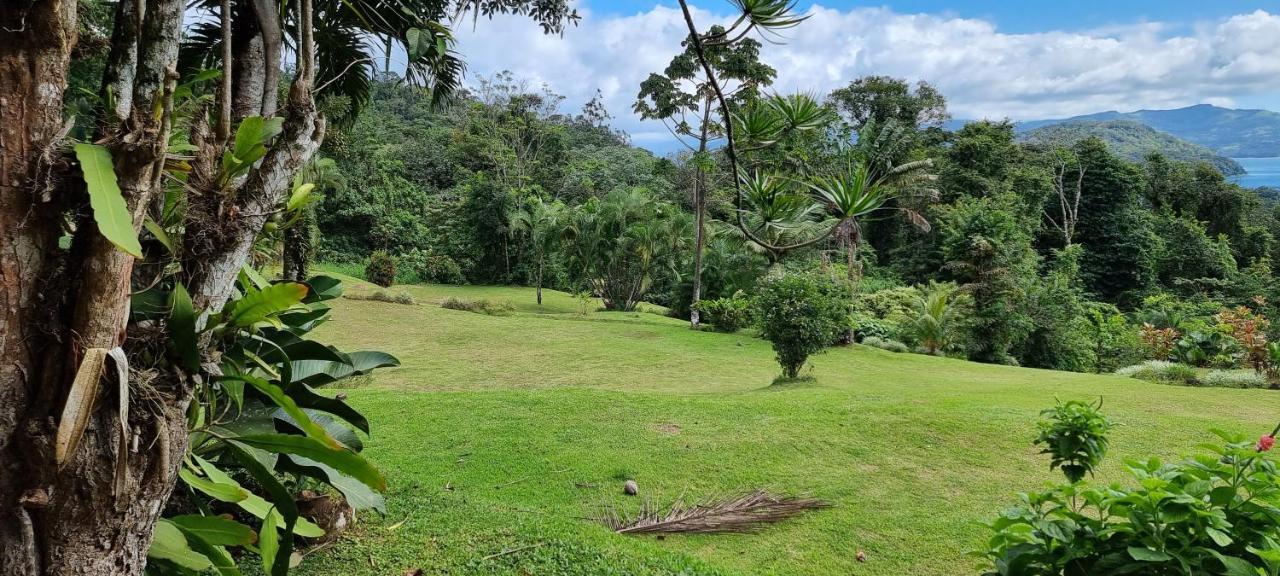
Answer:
(501, 436)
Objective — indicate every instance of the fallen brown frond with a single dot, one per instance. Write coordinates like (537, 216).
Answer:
(743, 514)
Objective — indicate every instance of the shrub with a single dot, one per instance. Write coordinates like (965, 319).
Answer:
(383, 296)
(801, 315)
(727, 314)
(481, 306)
(427, 266)
(1074, 435)
(1213, 514)
(381, 269)
(1160, 372)
(886, 344)
(934, 318)
(865, 327)
(1233, 379)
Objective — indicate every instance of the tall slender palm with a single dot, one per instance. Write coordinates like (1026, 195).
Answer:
(543, 224)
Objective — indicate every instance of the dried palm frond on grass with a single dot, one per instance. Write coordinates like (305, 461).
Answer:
(742, 514)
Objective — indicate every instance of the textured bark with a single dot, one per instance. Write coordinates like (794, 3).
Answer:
(82, 519)
(36, 40)
(700, 215)
(213, 261)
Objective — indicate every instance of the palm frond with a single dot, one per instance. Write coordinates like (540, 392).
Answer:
(742, 514)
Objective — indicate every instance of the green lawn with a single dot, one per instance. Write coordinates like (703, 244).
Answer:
(505, 432)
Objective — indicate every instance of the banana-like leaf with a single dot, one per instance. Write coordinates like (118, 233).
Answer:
(299, 418)
(358, 495)
(222, 561)
(260, 305)
(80, 401)
(225, 492)
(321, 372)
(109, 208)
(257, 505)
(308, 398)
(343, 460)
(323, 288)
(215, 530)
(169, 543)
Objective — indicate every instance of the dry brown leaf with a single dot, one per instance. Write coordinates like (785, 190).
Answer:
(75, 414)
(746, 513)
(122, 448)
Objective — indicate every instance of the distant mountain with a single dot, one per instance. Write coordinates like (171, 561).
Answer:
(1229, 132)
(1130, 139)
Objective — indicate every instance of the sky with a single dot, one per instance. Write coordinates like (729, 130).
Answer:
(1021, 60)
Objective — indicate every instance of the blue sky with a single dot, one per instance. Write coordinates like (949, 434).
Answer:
(1014, 16)
(1019, 60)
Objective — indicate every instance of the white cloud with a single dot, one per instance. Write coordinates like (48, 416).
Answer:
(982, 71)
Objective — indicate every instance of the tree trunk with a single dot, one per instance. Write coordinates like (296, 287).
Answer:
(92, 516)
(539, 281)
(700, 213)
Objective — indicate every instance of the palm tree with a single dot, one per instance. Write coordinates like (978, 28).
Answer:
(871, 182)
(544, 224)
(933, 324)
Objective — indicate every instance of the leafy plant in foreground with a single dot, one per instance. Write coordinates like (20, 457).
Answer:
(260, 419)
(1215, 513)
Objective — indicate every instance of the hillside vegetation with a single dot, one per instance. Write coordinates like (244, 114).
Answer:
(1229, 132)
(1131, 140)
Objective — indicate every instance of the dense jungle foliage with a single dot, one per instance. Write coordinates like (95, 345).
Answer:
(1058, 253)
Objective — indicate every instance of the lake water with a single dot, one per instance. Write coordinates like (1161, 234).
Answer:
(1261, 172)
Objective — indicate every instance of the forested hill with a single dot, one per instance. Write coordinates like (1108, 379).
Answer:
(1130, 140)
(1229, 132)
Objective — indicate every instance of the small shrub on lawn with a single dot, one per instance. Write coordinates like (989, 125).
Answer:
(481, 306)
(1160, 372)
(727, 314)
(1233, 379)
(801, 315)
(885, 344)
(1213, 514)
(381, 269)
(383, 296)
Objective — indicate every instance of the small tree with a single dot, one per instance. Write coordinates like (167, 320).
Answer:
(934, 324)
(543, 223)
(622, 243)
(801, 315)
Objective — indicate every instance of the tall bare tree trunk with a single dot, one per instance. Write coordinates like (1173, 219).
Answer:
(700, 215)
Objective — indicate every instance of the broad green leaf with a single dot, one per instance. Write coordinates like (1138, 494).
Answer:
(259, 305)
(254, 504)
(223, 563)
(224, 491)
(109, 208)
(1148, 555)
(323, 288)
(321, 372)
(308, 398)
(269, 545)
(215, 530)
(357, 494)
(182, 328)
(343, 460)
(300, 418)
(169, 543)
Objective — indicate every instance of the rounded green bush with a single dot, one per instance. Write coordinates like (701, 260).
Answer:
(381, 269)
(801, 315)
